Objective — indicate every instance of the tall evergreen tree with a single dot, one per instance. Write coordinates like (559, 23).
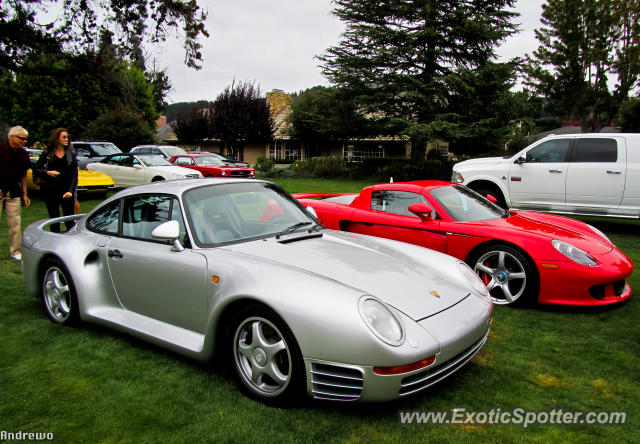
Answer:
(586, 48)
(396, 57)
(321, 117)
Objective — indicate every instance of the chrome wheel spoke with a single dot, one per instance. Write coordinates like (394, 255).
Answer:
(507, 292)
(520, 275)
(485, 269)
(274, 373)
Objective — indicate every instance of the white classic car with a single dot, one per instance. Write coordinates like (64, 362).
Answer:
(128, 169)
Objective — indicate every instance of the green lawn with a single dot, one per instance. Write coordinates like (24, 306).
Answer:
(90, 384)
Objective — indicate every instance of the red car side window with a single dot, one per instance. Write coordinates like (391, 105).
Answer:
(395, 202)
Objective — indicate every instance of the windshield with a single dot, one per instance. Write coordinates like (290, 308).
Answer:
(208, 160)
(465, 205)
(152, 160)
(242, 211)
(105, 149)
(173, 150)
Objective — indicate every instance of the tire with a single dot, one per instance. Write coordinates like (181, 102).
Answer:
(267, 363)
(510, 276)
(59, 297)
(484, 191)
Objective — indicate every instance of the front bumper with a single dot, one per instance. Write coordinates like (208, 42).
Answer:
(569, 283)
(460, 335)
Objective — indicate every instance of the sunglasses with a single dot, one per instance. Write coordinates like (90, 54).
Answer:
(24, 139)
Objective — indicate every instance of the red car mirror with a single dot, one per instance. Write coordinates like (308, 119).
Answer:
(422, 210)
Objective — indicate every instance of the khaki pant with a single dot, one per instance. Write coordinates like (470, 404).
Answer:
(13, 206)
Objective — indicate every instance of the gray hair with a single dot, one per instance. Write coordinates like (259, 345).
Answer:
(16, 130)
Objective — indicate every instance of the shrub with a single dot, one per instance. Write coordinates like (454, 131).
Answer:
(326, 167)
(264, 165)
(382, 170)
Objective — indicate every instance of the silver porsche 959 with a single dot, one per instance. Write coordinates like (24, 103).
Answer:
(239, 270)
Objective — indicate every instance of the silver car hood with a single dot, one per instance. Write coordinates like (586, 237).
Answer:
(415, 280)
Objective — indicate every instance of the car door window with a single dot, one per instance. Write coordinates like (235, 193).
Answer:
(595, 150)
(184, 161)
(81, 152)
(395, 202)
(550, 151)
(142, 214)
(106, 219)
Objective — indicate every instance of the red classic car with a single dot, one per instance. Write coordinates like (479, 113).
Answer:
(211, 166)
(520, 255)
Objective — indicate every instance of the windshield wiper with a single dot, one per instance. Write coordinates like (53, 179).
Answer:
(292, 228)
(316, 227)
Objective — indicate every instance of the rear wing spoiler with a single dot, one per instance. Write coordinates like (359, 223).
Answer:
(314, 195)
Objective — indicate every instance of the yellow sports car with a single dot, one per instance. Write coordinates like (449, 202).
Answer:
(88, 181)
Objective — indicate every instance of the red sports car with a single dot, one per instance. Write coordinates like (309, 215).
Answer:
(520, 255)
(211, 166)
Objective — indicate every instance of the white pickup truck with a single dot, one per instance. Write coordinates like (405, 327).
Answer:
(589, 174)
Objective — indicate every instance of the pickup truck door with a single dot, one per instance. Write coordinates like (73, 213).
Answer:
(596, 173)
(539, 181)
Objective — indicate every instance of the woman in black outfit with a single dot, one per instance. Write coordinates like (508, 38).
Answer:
(58, 166)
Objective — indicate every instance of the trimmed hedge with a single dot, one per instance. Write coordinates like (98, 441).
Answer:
(376, 169)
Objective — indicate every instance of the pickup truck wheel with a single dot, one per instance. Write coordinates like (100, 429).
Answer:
(484, 191)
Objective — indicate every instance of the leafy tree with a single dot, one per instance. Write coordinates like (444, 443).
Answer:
(240, 115)
(321, 116)
(83, 22)
(629, 116)
(585, 47)
(193, 125)
(482, 111)
(395, 58)
(124, 127)
(72, 91)
(172, 110)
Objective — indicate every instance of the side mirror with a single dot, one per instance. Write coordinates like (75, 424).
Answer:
(136, 165)
(522, 159)
(169, 230)
(422, 210)
(312, 211)
(491, 198)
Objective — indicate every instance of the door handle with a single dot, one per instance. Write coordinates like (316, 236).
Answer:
(115, 253)
(555, 171)
(613, 172)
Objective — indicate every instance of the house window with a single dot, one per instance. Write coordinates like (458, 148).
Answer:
(275, 150)
(357, 153)
(293, 151)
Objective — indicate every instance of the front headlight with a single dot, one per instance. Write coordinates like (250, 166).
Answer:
(381, 321)
(473, 279)
(573, 253)
(600, 233)
(457, 177)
